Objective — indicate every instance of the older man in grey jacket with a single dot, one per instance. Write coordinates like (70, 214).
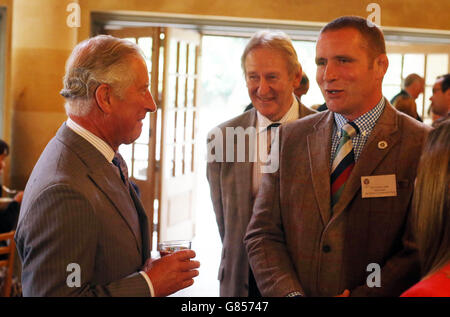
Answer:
(82, 229)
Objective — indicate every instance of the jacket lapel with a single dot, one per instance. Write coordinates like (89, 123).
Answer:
(319, 142)
(371, 156)
(112, 186)
(143, 220)
(243, 171)
(103, 174)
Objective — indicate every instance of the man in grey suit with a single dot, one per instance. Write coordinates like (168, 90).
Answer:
(272, 72)
(334, 219)
(82, 229)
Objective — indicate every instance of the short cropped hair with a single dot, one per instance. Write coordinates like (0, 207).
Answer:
(101, 59)
(276, 40)
(445, 83)
(411, 78)
(4, 148)
(370, 33)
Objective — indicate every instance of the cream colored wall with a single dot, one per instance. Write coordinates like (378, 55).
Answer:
(40, 46)
(394, 13)
(6, 127)
(42, 42)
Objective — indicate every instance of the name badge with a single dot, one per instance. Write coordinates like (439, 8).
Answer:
(379, 186)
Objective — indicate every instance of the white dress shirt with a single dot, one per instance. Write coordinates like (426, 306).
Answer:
(262, 123)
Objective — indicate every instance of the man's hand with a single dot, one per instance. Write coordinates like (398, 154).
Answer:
(172, 272)
(346, 293)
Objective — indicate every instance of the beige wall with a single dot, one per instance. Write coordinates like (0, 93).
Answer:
(6, 127)
(40, 46)
(42, 42)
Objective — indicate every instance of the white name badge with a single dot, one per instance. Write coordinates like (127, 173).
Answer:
(378, 186)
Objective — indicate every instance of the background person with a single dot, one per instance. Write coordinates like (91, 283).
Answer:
(272, 72)
(432, 215)
(405, 100)
(440, 100)
(9, 211)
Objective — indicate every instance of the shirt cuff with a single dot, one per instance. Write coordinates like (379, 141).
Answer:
(295, 294)
(149, 283)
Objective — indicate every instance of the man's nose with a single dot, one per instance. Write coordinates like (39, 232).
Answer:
(151, 105)
(263, 87)
(329, 73)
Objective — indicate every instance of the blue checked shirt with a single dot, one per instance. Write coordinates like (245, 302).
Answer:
(365, 123)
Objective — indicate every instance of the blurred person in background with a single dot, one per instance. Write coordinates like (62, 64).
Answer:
(440, 100)
(9, 208)
(432, 215)
(404, 101)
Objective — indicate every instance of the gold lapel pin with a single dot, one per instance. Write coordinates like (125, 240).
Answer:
(382, 145)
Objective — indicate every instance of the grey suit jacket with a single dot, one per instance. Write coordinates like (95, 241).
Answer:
(292, 241)
(231, 194)
(77, 210)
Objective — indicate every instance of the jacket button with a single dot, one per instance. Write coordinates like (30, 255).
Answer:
(326, 248)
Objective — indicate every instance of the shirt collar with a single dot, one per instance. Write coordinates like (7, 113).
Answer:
(365, 123)
(98, 143)
(291, 115)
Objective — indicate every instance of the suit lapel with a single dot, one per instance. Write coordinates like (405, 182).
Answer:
(112, 186)
(243, 171)
(318, 142)
(371, 156)
(103, 174)
(143, 220)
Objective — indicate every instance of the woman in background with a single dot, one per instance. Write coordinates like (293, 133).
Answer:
(432, 215)
(9, 213)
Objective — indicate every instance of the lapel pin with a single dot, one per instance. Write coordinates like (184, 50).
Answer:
(382, 145)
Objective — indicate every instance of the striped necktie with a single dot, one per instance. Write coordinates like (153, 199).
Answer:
(343, 162)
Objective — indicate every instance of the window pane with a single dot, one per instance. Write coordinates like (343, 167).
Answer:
(389, 91)
(172, 90)
(140, 169)
(145, 44)
(393, 74)
(173, 57)
(125, 150)
(183, 58)
(413, 63)
(306, 52)
(141, 152)
(437, 64)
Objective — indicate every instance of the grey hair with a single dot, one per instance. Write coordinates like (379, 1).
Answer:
(276, 40)
(101, 59)
(411, 78)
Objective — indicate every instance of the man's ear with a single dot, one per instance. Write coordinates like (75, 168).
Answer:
(298, 78)
(103, 97)
(381, 64)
